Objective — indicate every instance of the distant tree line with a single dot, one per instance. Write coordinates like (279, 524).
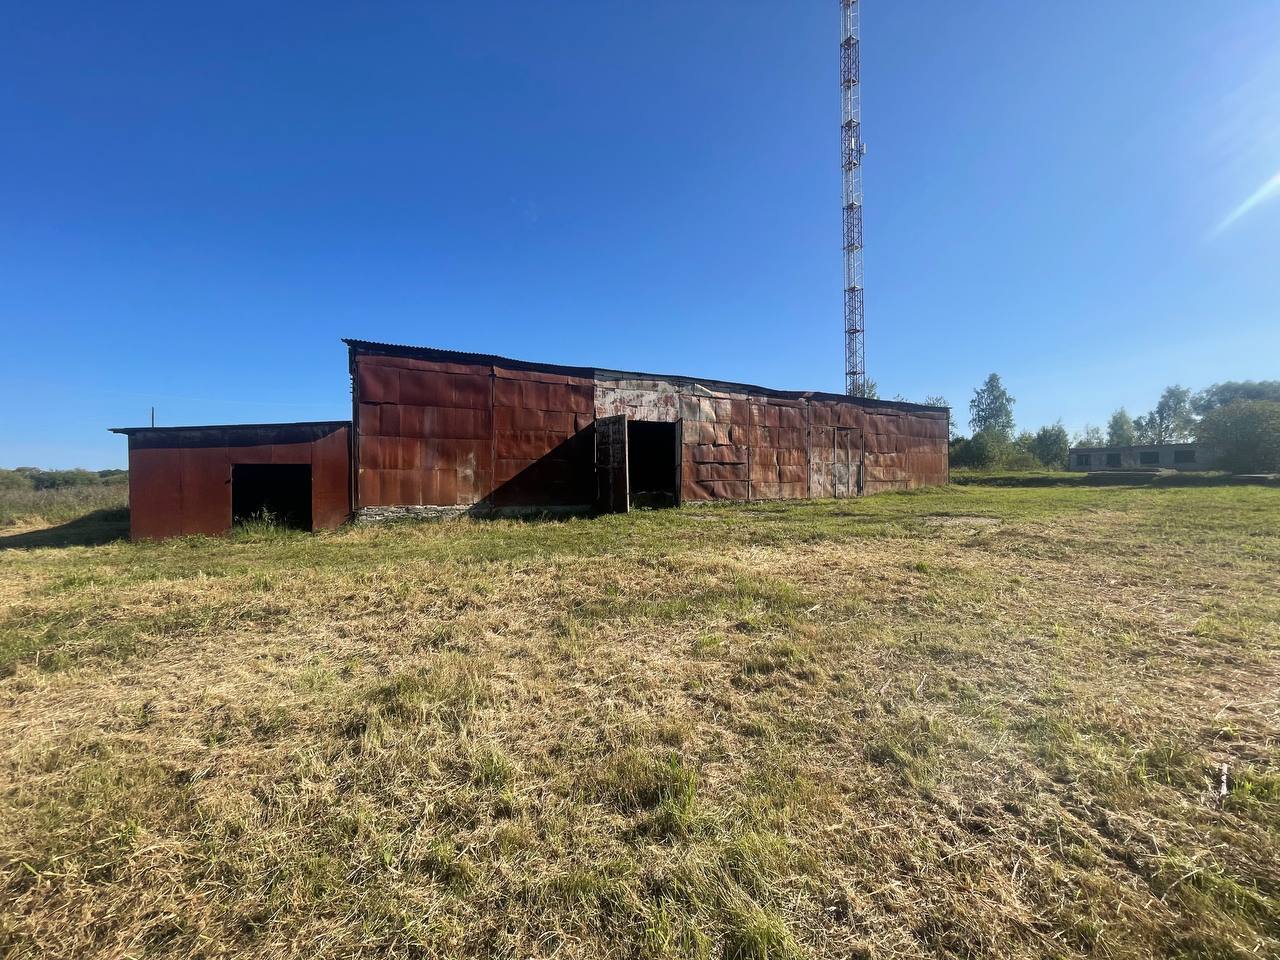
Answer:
(995, 442)
(33, 478)
(1239, 419)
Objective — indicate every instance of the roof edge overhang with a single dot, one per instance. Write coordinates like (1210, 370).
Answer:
(301, 425)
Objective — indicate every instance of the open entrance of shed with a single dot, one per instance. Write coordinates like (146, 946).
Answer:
(277, 493)
(653, 463)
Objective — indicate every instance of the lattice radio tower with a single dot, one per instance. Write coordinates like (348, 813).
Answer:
(852, 150)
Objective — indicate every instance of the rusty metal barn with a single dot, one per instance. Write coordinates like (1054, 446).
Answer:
(438, 432)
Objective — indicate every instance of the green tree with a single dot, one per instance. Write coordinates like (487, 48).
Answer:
(1221, 394)
(1050, 445)
(1245, 436)
(991, 410)
(1090, 436)
(870, 389)
(1120, 430)
(1171, 421)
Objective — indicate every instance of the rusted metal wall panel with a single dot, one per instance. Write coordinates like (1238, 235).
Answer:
(449, 434)
(779, 449)
(543, 440)
(905, 450)
(379, 383)
(425, 432)
(331, 480)
(155, 493)
(180, 479)
(289, 453)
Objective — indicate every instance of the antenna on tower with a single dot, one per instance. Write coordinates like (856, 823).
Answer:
(852, 150)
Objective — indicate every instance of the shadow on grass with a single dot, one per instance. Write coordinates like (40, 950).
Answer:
(91, 530)
(1113, 478)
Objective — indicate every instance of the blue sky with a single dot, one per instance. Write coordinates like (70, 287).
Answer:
(197, 201)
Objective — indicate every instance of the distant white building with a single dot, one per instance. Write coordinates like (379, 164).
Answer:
(1156, 456)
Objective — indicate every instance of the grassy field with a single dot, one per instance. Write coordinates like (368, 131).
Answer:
(102, 506)
(985, 721)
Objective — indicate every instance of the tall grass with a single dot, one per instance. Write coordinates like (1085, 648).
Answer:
(60, 504)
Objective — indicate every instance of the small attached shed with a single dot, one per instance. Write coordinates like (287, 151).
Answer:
(202, 480)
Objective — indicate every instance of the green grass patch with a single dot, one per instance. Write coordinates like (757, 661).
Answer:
(987, 720)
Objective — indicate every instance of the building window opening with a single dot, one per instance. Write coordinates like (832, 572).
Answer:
(1084, 460)
(1113, 459)
(1149, 458)
(1184, 456)
(653, 464)
(274, 493)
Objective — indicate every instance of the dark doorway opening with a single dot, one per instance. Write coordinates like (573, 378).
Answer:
(278, 493)
(653, 468)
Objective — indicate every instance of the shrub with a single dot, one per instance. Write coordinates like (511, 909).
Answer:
(983, 450)
(989, 449)
(33, 478)
(1245, 435)
(53, 479)
(1019, 459)
(1021, 454)
(13, 480)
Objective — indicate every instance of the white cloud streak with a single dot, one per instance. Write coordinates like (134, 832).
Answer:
(1260, 196)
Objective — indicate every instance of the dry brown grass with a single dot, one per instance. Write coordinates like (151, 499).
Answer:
(961, 723)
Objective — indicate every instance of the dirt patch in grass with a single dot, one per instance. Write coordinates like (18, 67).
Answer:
(889, 727)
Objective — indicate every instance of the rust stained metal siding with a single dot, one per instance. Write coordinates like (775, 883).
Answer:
(455, 434)
(750, 443)
(424, 433)
(424, 424)
(180, 477)
(541, 446)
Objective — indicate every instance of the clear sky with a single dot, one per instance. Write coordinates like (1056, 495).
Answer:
(198, 200)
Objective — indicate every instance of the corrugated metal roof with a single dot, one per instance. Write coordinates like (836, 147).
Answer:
(485, 359)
